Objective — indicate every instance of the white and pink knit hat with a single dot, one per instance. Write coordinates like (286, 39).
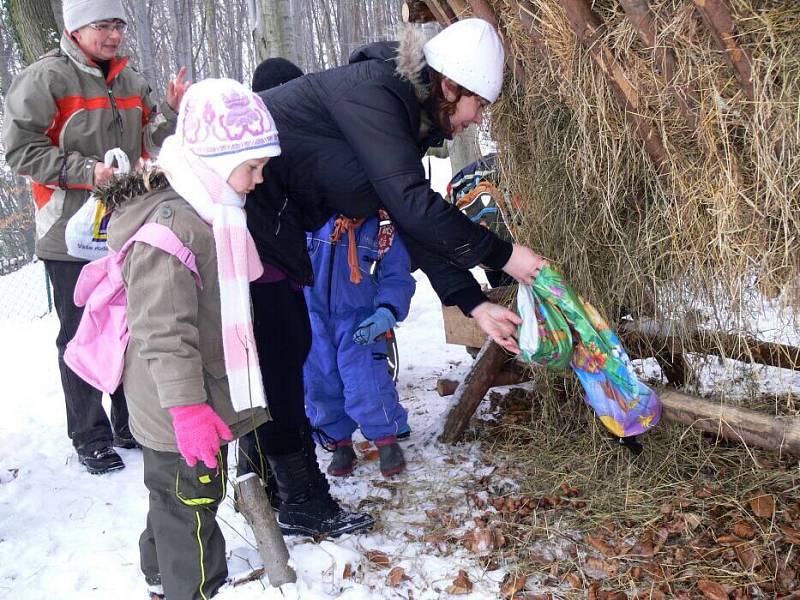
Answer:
(224, 124)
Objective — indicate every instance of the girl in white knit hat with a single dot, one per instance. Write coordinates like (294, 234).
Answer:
(191, 368)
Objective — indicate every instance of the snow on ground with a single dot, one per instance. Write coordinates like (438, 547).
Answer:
(67, 534)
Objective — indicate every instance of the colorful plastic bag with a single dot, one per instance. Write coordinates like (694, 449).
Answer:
(624, 405)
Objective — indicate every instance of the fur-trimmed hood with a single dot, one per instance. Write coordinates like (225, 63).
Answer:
(407, 55)
(125, 188)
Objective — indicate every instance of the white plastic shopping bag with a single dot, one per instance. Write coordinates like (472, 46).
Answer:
(528, 331)
(86, 231)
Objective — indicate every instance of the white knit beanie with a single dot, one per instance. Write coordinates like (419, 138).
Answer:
(78, 13)
(225, 124)
(470, 53)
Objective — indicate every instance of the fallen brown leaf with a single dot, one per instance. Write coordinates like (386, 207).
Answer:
(371, 455)
(792, 534)
(744, 530)
(601, 546)
(461, 584)
(763, 506)
(376, 557)
(348, 571)
(704, 492)
(747, 557)
(512, 583)
(574, 580)
(396, 576)
(363, 446)
(597, 568)
(712, 590)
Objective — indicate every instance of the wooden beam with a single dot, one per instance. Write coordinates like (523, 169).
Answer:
(588, 28)
(641, 17)
(780, 434)
(436, 9)
(644, 338)
(444, 14)
(471, 391)
(718, 18)
(416, 11)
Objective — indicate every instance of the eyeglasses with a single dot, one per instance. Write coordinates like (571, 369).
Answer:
(108, 26)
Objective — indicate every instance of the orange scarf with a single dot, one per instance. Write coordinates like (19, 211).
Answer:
(346, 224)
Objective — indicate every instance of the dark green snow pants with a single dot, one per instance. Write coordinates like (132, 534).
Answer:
(182, 546)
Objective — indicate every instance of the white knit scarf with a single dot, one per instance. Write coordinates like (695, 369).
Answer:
(238, 263)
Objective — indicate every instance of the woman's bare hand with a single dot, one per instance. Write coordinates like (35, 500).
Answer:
(524, 264)
(499, 323)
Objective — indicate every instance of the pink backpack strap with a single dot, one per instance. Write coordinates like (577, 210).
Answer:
(162, 237)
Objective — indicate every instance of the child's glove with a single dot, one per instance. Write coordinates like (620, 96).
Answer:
(372, 327)
(199, 431)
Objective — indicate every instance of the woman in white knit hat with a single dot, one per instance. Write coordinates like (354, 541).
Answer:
(191, 371)
(352, 140)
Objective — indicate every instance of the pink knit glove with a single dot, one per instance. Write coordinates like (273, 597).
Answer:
(198, 431)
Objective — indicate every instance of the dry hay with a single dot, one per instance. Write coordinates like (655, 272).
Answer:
(689, 516)
(716, 232)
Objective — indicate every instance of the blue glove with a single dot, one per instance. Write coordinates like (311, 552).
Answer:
(373, 327)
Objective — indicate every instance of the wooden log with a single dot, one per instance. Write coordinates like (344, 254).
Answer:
(718, 18)
(416, 11)
(471, 391)
(448, 387)
(645, 337)
(441, 11)
(780, 434)
(641, 17)
(588, 28)
(254, 505)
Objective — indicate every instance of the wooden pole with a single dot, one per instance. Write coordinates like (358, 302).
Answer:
(780, 434)
(471, 391)
(640, 15)
(254, 505)
(588, 27)
(441, 11)
(645, 338)
(718, 18)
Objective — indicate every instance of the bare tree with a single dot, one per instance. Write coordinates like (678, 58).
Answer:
(34, 27)
(272, 24)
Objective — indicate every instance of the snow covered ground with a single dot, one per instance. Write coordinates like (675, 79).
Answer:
(67, 534)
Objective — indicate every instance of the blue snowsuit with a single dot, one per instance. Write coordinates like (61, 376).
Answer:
(348, 385)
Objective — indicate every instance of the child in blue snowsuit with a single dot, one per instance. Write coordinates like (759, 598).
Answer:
(362, 287)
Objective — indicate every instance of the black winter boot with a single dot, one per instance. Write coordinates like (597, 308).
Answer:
(343, 460)
(391, 456)
(308, 508)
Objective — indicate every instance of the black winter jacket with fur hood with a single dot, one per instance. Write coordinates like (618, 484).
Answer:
(352, 139)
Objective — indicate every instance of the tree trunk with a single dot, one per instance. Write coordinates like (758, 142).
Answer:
(183, 39)
(213, 43)
(272, 26)
(255, 507)
(144, 42)
(34, 27)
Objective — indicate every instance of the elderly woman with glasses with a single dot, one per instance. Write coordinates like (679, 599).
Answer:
(62, 114)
